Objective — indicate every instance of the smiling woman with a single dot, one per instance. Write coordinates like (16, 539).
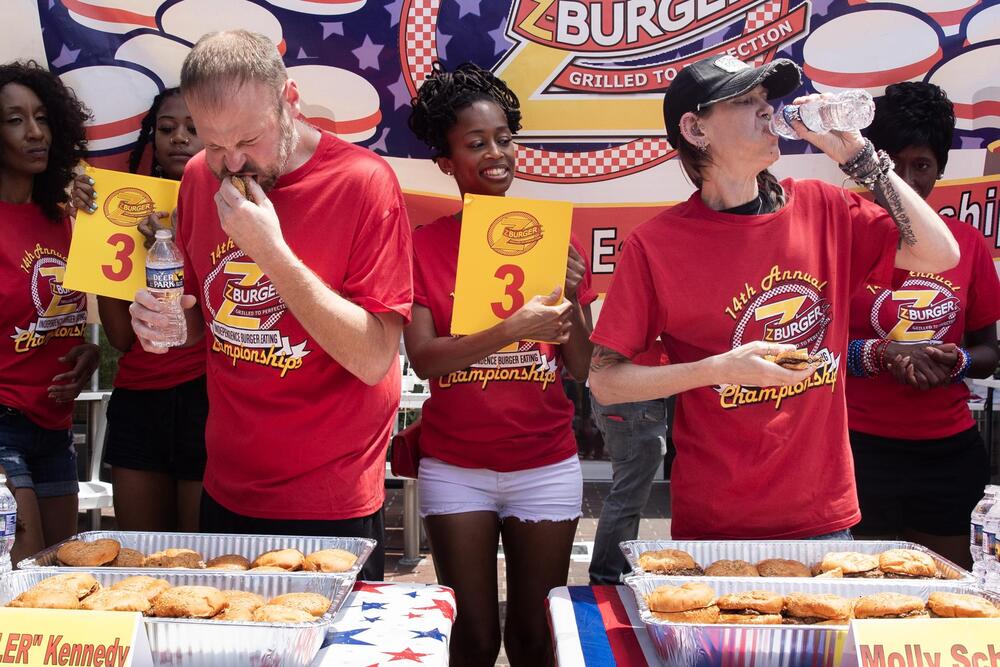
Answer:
(44, 361)
(496, 436)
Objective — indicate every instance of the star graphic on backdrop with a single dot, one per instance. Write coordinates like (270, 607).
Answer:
(433, 633)
(821, 7)
(412, 594)
(468, 7)
(400, 93)
(332, 28)
(366, 606)
(971, 142)
(442, 606)
(499, 37)
(347, 637)
(367, 587)
(380, 145)
(367, 54)
(67, 56)
(442, 44)
(408, 654)
(394, 8)
(305, 56)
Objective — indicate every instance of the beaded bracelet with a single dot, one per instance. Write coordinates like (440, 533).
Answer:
(961, 367)
(866, 357)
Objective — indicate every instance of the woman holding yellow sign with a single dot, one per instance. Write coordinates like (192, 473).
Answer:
(44, 362)
(499, 455)
(158, 409)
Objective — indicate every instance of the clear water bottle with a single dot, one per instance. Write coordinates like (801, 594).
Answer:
(846, 111)
(165, 280)
(976, 521)
(8, 523)
(991, 545)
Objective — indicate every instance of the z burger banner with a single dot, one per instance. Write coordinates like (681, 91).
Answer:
(590, 75)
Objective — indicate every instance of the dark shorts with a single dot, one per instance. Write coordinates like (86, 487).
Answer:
(928, 486)
(37, 458)
(159, 430)
(217, 519)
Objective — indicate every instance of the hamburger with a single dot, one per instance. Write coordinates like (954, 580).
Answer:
(852, 564)
(782, 567)
(890, 605)
(669, 561)
(731, 568)
(242, 183)
(793, 360)
(907, 564)
(688, 603)
(816, 609)
(960, 605)
(751, 608)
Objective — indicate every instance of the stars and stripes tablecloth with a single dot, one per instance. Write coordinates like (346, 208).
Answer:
(598, 626)
(390, 624)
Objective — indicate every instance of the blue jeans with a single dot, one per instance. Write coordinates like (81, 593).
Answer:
(844, 534)
(635, 439)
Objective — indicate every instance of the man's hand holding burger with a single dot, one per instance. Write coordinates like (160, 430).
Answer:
(251, 222)
(755, 364)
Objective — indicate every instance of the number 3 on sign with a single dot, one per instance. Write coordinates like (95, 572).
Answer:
(124, 246)
(512, 289)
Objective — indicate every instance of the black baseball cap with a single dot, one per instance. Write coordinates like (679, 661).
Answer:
(719, 78)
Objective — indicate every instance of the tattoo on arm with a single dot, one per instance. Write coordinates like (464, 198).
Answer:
(604, 357)
(887, 195)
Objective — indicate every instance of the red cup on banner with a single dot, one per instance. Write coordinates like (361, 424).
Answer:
(970, 79)
(946, 13)
(190, 19)
(983, 25)
(322, 7)
(114, 16)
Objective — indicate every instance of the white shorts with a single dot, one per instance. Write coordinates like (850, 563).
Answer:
(549, 493)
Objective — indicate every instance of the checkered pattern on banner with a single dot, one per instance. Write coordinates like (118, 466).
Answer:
(421, 39)
(533, 162)
(761, 16)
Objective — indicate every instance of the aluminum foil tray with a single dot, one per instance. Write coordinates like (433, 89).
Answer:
(706, 552)
(696, 645)
(210, 545)
(184, 641)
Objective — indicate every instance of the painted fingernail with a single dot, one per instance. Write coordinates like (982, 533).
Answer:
(90, 180)
(95, 193)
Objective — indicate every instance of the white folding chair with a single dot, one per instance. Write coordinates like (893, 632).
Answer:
(95, 494)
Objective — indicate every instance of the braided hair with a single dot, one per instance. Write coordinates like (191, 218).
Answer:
(443, 94)
(147, 132)
(913, 113)
(66, 117)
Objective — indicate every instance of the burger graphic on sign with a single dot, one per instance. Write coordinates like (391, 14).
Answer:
(514, 233)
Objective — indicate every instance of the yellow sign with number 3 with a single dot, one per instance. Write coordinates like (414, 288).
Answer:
(510, 251)
(107, 255)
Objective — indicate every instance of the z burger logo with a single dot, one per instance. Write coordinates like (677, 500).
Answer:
(592, 73)
(514, 233)
(127, 207)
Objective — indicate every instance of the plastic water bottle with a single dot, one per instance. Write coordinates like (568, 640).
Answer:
(846, 111)
(8, 523)
(991, 547)
(165, 280)
(977, 520)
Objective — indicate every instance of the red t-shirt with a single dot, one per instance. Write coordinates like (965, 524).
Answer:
(924, 309)
(138, 369)
(40, 320)
(507, 412)
(291, 433)
(753, 462)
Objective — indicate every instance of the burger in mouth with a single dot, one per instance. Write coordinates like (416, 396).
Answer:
(688, 603)
(816, 609)
(242, 183)
(890, 605)
(751, 608)
(793, 360)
